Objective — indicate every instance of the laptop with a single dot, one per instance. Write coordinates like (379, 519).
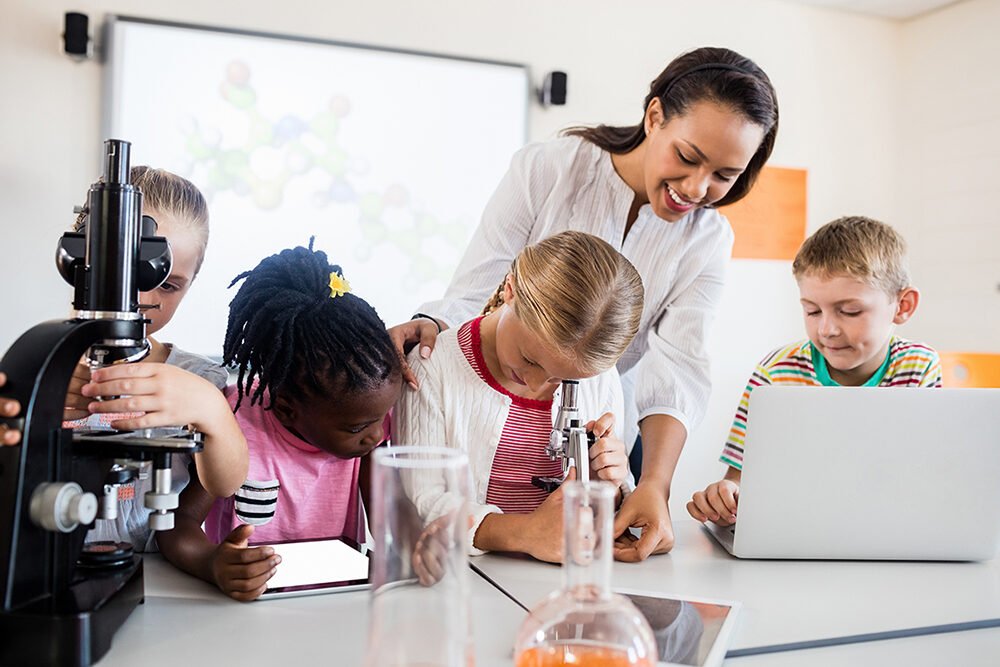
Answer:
(860, 473)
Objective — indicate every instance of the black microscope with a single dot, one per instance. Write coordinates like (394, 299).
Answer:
(57, 608)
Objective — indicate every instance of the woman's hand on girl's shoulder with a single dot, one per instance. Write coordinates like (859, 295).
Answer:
(423, 331)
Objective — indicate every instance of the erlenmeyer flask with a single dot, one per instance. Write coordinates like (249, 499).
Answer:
(585, 624)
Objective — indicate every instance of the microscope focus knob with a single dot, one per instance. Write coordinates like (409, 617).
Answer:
(161, 521)
(555, 447)
(62, 506)
(161, 502)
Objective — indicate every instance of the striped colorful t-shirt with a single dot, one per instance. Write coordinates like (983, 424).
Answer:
(906, 365)
(521, 451)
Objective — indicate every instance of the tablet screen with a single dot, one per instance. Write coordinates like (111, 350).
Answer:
(317, 563)
(687, 631)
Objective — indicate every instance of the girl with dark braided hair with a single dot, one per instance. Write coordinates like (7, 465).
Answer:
(317, 377)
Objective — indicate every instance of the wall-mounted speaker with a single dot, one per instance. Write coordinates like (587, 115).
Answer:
(553, 90)
(76, 36)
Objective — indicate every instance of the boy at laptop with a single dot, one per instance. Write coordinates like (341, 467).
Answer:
(854, 288)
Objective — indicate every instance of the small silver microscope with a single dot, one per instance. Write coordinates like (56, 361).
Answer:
(568, 441)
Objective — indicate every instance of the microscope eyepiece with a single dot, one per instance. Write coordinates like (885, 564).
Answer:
(116, 161)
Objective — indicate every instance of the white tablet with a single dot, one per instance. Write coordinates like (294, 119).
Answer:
(312, 567)
(689, 631)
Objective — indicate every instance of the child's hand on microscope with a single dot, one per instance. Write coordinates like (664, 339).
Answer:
(608, 459)
(155, 394)
(8, 408)
(241, 571)
(76, 402)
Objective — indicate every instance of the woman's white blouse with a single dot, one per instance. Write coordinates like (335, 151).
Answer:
(571, 184)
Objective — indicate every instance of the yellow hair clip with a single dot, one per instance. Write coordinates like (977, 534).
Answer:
(338, 285)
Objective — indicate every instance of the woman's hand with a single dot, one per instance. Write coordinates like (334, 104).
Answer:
(241, 572)
(404, 336)
(8, 408)
(608, 459)
(646, 509)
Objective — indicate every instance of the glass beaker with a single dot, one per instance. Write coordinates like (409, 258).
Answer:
(585, 624)
(420, 571)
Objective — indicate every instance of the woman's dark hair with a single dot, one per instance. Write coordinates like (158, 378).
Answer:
(706, 74)
(289, 331)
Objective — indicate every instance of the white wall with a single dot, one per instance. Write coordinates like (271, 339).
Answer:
(949, 133)
(837, 76)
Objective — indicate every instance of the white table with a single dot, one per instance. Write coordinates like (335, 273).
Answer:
(976, 648)
(186, 621)
(189, 623)
(790, 601)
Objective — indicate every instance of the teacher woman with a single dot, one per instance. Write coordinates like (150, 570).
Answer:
(651, 190)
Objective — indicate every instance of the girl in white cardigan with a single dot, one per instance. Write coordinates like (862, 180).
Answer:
(568, 309)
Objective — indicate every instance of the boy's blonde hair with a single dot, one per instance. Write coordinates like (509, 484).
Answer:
(859, 247)
(169, 193)
(578, 294)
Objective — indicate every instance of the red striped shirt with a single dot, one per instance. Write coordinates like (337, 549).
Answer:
(521, 451)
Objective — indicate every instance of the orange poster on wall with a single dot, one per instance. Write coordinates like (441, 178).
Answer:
(970, 369)
(770, 222)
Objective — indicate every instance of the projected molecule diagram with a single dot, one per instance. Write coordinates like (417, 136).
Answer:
(302, 147)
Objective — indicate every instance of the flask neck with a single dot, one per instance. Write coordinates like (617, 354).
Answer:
(588, 516)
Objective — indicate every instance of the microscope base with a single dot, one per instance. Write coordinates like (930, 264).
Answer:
(75, 630)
